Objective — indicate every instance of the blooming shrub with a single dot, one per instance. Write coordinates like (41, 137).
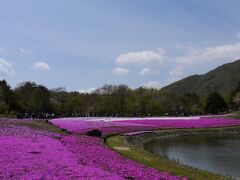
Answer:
(95, 132)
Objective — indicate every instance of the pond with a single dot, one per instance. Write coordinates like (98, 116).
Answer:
(219, 154)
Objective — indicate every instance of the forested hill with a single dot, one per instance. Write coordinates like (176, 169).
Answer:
(224, 79)
(190, 96)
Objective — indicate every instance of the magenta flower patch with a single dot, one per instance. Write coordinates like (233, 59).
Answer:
(124, 126)
(196, 123)
(90, 151)
(33, 154)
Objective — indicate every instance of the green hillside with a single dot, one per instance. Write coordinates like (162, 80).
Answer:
(224, 79)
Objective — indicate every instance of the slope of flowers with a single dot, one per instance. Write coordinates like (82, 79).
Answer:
(34, 154)
(81, 126)
(31, 154)
(25, 132)
(199, 123)
(27, 153)
(124, 126)
(90, 151)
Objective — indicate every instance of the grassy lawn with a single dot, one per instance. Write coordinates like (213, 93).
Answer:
(119, 144)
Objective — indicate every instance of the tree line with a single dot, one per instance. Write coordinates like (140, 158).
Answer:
(29, 99)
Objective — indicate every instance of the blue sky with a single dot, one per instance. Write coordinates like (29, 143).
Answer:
(84, 44)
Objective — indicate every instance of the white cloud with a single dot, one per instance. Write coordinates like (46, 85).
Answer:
(25, 51)
(153, 84)
(121, 71)
(5, 68)
(196, 56)
(41, 66)
(141, 57)
(87, 91)
(144, 71)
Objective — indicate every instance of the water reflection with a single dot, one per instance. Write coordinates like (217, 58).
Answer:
(212, 153)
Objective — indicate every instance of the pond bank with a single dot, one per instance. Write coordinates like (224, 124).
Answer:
(138, 140)
(131, 146)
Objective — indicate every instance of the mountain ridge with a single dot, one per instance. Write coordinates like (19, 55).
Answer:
(223, 79)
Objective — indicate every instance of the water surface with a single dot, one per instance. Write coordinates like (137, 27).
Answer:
(213, 153)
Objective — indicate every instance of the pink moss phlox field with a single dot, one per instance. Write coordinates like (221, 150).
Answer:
(199, 123)
(91, 151)
(42, 158)
(79, 125)
(27, 153)
(24, 132)
(30, 154)
(125, 126)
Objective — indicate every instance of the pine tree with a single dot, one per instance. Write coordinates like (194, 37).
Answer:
(215, 103)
